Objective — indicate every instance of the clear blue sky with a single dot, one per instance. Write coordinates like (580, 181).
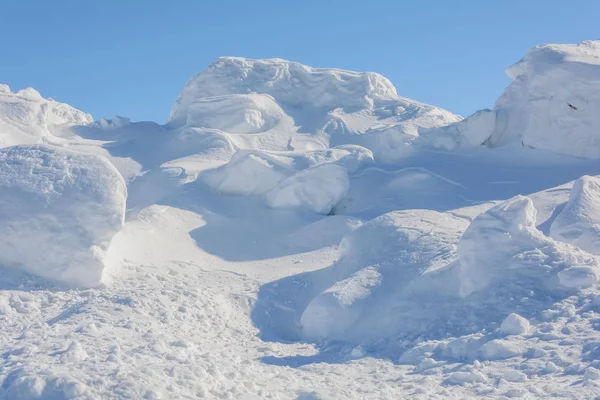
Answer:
(132, 58)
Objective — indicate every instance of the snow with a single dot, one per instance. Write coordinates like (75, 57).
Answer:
(579, 221)
(280, 105)
(550, 105)
(514, 324)
(317, 189)
(59, 212)
(26, 117)
(295, 232)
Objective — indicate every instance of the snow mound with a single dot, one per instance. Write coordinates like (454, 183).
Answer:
(550, 105)
(303, 108)
(289, 83)
(411, 273)
(317, 189)
(552, 102)
(579, 221)
(503, 246)
(379, 262)
(26, 117)
(514, 324)
(59, 211)
(250, 113)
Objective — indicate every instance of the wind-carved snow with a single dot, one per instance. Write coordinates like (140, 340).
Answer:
(26, 117)
(550, 105)
(295, 232)
(579, 221)
(321, 107)
(59, 211)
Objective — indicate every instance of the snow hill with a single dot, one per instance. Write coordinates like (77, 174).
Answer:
(294, 232)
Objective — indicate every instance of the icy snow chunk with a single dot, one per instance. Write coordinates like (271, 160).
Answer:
(464, 377)
(58, 212)
(514, 376)
(591, 374)
(499, 350)
(579, 221)
(317, 189)
(551, 367)
(26, 388)
(514, 324)
(578, 277)
(4, 88)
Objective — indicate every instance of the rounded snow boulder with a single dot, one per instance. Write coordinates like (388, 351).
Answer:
(317, 189)
(379, 265)
(59, 211)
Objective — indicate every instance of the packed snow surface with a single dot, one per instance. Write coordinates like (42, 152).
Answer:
(297, 232)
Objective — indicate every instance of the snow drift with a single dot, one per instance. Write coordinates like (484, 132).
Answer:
(59, 211)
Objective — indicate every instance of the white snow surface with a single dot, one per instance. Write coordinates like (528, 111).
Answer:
(305, 233)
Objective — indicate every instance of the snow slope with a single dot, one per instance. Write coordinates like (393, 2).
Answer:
(305, 233)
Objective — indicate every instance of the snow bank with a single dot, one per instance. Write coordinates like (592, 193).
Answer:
(58, 212)
(579, 221)
(317, 189)
(26, 117)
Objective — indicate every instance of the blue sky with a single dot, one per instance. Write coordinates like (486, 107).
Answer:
(132, 58)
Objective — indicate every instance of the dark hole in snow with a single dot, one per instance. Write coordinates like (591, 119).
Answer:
(572, 106)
